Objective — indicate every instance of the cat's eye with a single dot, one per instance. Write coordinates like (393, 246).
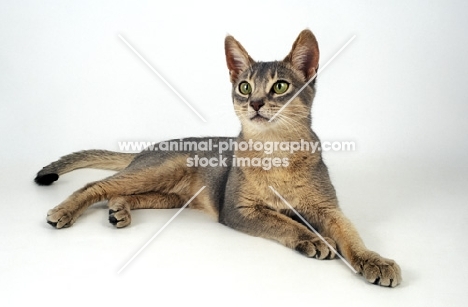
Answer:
(280, 87)
(245, 88)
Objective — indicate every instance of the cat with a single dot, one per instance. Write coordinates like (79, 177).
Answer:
(271, 106)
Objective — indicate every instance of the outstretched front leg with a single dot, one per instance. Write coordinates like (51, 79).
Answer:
(331, 222)
(261, 221)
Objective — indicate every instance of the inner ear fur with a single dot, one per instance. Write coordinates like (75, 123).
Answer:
(237, 58)
(304, 55)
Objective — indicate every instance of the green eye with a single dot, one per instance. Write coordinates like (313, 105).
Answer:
(280, 87)
(245, 88)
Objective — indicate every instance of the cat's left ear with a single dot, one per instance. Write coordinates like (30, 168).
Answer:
(305, 54)
(237, 57)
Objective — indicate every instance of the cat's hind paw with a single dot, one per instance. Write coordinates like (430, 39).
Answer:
(60, 217)
(119, 213)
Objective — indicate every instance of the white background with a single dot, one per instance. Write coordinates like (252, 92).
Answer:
(67, 83)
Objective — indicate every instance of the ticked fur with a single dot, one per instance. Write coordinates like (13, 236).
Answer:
(239, 196)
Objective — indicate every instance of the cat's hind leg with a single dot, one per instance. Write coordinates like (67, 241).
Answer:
(120, 206)
(170, 176)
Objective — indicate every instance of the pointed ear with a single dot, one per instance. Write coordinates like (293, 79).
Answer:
(304, 54)
(237, 58)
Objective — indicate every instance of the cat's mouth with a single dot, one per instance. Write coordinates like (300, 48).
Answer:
(259, 118)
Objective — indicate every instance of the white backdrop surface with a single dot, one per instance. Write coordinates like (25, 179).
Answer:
(68, 82)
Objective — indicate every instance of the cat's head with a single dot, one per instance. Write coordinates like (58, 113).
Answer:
(260, 90)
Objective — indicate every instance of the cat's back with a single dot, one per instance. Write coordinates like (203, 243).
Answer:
(185, 148)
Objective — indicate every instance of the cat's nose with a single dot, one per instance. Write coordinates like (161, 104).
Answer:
(257, 104)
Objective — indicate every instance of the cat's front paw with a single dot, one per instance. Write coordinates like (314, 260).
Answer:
(60, 217)
(316, 248)
(378, 270)
(119, 213)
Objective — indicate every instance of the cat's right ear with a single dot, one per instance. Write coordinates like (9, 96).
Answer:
(237, 58)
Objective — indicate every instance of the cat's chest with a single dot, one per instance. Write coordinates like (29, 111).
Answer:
(278, 166)
(290, 180)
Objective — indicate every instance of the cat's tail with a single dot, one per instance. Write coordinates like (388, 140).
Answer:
(100, 159)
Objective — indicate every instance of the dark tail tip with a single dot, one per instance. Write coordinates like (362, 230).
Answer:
(46, 179)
